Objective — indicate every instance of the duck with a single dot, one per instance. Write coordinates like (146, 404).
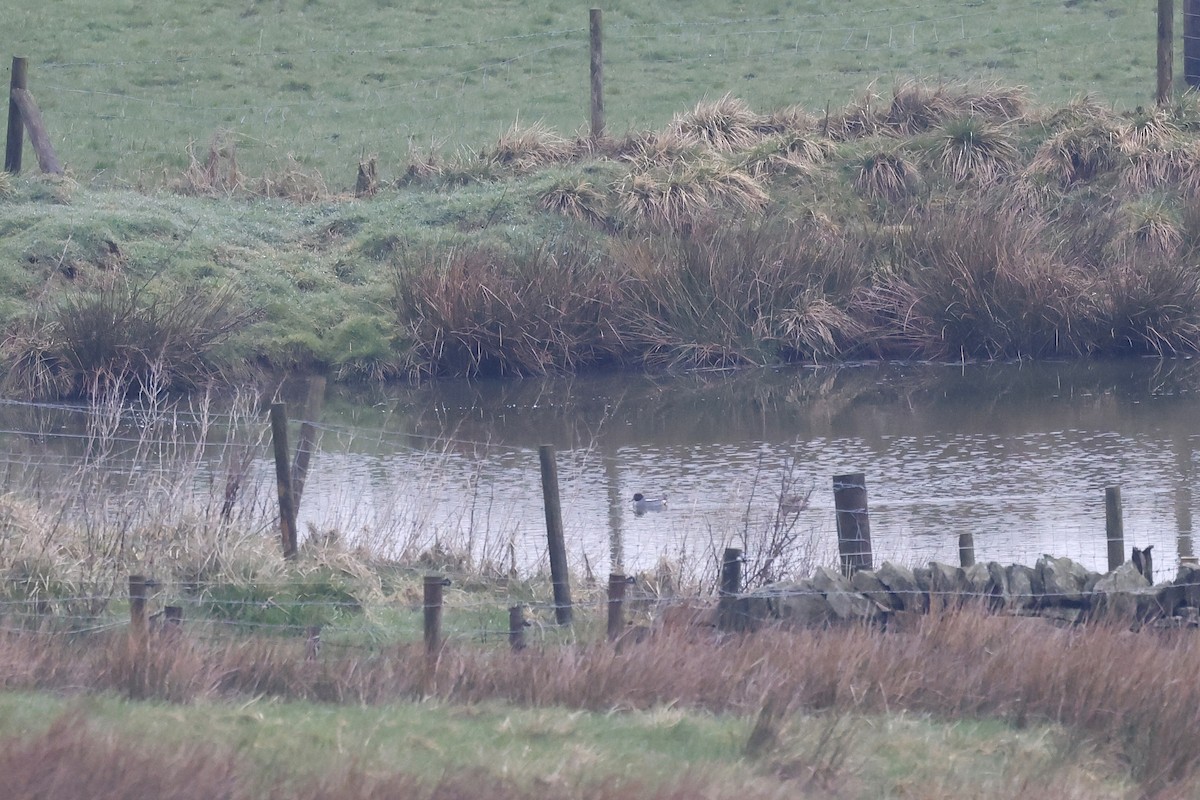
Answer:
(642, 504)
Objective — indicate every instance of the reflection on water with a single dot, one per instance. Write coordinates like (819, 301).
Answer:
(1016, 454)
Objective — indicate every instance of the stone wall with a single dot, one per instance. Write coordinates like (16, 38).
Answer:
(1057, 589)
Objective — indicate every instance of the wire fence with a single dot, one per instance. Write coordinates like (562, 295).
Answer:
(177, 488)
(329, 103)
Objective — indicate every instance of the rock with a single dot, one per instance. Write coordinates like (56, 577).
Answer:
(1122, 595)
(798, 604)
(947, 585)
(997, 587)
(1063, 615)
(847, 604)
(901, 582)
(924, 580)
(1064, 582)
(1024, 586)
(1188, 579)
(977, 577)
(868, 584)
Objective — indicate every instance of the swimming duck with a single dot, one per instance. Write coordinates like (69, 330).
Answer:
(642, 504)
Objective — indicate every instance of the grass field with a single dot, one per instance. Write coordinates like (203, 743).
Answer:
(125, 89)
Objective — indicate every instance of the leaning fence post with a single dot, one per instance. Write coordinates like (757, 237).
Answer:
(1114, 527)
(853, 524)
(554, 536)
(516, 627)
(728, 618)
(966, 550)
(283, 479)
(16, 126)
(433, 612)
(616, 602)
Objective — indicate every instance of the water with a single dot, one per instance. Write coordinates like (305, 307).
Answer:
(1018, 455)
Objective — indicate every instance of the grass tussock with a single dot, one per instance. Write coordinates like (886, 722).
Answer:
(1131, 690)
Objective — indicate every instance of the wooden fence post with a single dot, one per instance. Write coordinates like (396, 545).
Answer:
(283, 480)
(853, 523)
(516, 627)
(616, 603)
(966, 550)
(1191, 42)
(137, 637)
(597, 72)
(1166, 50)
(1114, 527)
(554, 536)
(433, 612)
(16, 128)
(728, 605)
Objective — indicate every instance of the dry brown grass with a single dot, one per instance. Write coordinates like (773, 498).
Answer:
(217, 174)
(1135, 691)
(724, 125)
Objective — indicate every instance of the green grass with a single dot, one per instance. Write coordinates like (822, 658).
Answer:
(549, 750)
(125, 89)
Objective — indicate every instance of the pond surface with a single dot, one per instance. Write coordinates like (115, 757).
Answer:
(1018, 455)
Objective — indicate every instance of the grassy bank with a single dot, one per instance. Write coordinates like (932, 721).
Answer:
(927, 222)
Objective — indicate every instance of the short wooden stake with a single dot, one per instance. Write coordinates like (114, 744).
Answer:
(1114, 527)
(283, 480)
(516, 627)
(853, 523)
(554, 536)
(616, 603)
(433, 612)
(172, 619)
(729, 617)
(966, 550)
